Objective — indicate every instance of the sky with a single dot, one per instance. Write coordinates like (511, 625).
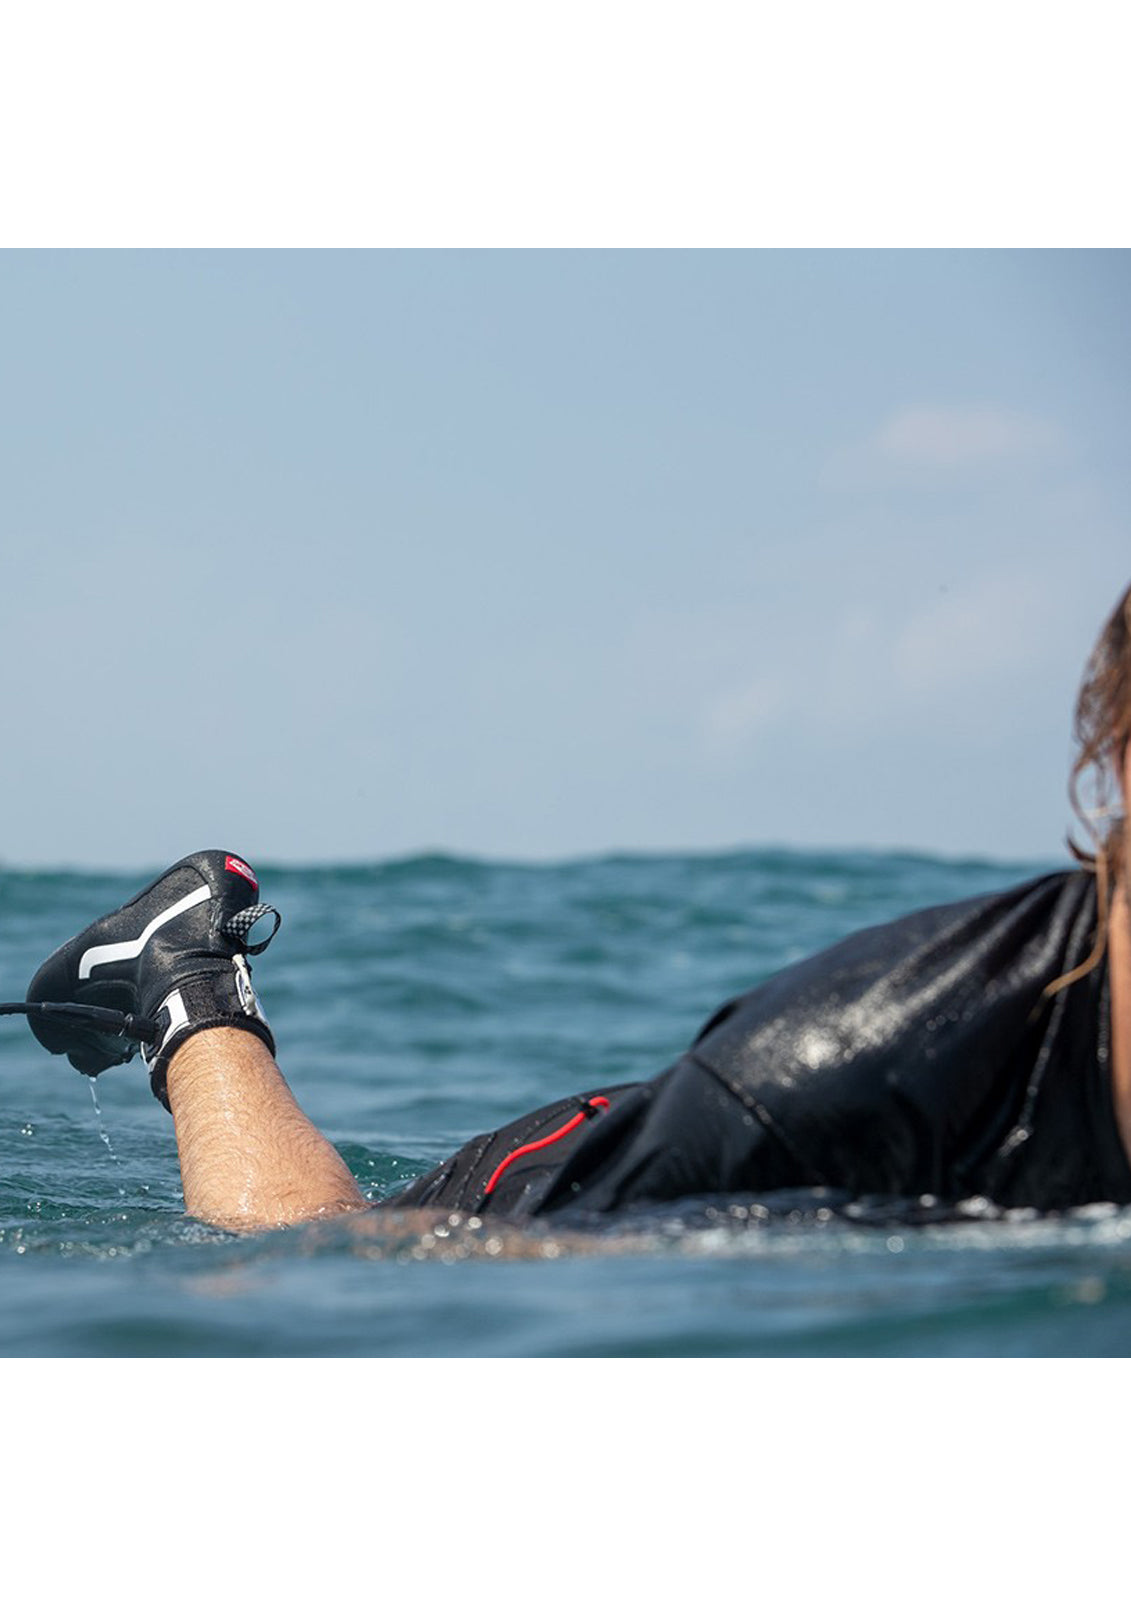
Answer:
(345, 555)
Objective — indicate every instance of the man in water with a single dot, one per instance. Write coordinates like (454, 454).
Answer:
(979, 1048)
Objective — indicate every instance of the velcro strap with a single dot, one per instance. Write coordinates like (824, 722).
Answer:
(221, 996)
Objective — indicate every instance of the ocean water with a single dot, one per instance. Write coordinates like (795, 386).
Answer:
(419, 1002)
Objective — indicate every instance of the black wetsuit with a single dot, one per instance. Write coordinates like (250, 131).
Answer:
(915, 1058)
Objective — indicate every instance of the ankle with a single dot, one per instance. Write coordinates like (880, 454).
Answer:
(224, 1062)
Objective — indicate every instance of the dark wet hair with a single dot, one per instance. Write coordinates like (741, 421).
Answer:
(1102, 730)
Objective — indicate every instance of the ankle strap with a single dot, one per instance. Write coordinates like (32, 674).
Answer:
(222, 996)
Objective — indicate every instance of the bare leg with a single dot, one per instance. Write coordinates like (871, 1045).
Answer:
(249, 1156)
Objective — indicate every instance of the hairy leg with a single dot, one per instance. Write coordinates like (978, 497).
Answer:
(249, 1156)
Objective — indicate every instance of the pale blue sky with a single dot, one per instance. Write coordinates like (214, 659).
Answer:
(345, 555)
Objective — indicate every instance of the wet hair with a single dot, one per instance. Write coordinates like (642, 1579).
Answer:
(1102, 729)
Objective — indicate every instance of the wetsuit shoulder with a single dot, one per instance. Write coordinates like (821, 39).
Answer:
(897, 1059)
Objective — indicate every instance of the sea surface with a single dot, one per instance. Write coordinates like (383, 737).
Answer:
(419, 1002)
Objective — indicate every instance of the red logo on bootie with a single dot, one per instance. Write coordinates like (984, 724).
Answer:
(238, 866)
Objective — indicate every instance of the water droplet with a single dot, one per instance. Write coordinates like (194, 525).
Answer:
(103, 1132)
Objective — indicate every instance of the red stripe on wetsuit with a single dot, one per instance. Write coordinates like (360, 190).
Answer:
(592, 1106)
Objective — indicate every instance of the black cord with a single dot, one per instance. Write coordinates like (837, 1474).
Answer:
(110, 1020)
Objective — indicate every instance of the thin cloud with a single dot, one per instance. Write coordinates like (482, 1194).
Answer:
(991, 628)
(734, 718)
(945, 445)
(959, 437)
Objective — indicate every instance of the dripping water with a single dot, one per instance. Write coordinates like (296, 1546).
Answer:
(102, 1131)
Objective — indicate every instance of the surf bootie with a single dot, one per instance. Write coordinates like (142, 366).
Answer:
(173, 961)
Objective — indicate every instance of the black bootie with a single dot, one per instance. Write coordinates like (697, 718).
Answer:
(174, 959)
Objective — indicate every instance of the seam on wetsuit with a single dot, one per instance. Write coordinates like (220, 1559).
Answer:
(766, 1120)
(443, 1177)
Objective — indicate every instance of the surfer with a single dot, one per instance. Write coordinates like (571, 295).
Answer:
(981, 1048)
